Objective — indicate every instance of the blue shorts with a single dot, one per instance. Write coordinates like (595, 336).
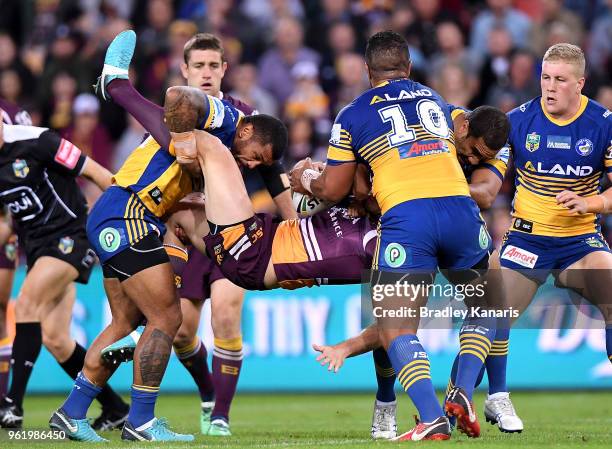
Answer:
(428, 233)
(542, 254)
(119, 220)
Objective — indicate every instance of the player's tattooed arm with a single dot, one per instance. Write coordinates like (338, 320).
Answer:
(154, 357)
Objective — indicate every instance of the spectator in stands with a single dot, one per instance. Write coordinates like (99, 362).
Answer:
(302, 143)
(455, 85)
(276, 64)
(600, 49)
(554, 12)
(499, 13)
(57, 109)
(421, 32)
(452, 49)
(307, 99)
(496, 67)
(86, 131)
(522, 86)
(353, 81)
(246, 89)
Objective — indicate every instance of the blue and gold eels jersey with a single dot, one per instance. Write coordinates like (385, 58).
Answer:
(498, 164)
(153, 174)
(401, 130)
(551, 156)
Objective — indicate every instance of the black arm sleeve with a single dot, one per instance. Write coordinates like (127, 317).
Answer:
(272, 178)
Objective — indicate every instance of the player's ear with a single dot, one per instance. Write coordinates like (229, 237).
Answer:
(246, 131)
(580, 84)
(184, 71)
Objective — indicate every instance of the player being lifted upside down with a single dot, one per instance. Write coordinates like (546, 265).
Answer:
(204, 68)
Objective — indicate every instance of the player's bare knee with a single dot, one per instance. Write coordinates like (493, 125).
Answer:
(27, 307)
(58, 344)
(226, 326)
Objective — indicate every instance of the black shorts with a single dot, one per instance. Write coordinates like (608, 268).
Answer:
(70, 245)
(146, 253)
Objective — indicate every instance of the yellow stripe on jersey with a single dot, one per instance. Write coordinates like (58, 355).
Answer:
(456, 113)
(339, 154)
(211, 112)
(548, 217)
(536, 184)
(433, 176)
(584, 101)
(155, 177)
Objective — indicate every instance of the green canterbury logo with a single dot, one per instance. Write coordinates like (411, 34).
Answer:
(109, 239)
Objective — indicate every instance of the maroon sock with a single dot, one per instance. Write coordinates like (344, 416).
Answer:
(227, 361)
(6, 349)
(193, 358)
(148, 114)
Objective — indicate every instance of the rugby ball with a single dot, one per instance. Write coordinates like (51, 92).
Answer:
(307, 205)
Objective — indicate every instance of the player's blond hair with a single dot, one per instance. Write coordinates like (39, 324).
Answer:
(569, 53)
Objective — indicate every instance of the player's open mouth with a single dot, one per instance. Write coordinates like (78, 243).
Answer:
(550, 100)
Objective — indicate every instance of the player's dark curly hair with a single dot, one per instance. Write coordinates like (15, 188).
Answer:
(386, 53)
(269, 130)
(492, 125)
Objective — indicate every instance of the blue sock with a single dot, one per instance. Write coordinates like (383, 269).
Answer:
(82, 395)
(142, 409)
(474, 342)
(609, 341)
(453, 376)
(385, 376)
(410, 361)
(497, 360)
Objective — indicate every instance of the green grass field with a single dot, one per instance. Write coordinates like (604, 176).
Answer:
(559, 419)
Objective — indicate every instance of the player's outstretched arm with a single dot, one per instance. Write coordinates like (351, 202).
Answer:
(97, 174)
(334, 356)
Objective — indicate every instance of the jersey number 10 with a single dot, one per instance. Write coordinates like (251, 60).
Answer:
(430, 115)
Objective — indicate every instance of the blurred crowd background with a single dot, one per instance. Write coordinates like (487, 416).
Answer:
(301, 60)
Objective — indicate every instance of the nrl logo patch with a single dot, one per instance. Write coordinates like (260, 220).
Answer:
(532, 143)
(66, 244)
(20, 168)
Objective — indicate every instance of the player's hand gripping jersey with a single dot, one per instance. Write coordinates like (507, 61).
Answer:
(403, 132)
(551, 156)
(148, 185)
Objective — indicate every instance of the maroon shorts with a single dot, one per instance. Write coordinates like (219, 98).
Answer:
(8, 254)
(242, 251)
(198, 275)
